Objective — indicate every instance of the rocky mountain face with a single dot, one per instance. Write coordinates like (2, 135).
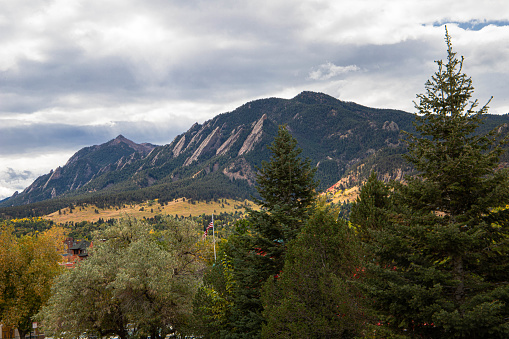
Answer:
(82, 168)
(333, 134)
(226, 150)
(219, 157)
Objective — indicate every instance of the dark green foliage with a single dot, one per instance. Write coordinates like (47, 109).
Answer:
(440, 266)
(228, 305)
(213, 301)
(370, 210)
(345, 209)
(255, 251)
(251, 267)
(287, 190)
(333, 134)
(316, 294)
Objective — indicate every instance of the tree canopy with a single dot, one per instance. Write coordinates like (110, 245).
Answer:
(440, 240)
(316, 295)
(256, 250)
(28, 265)
(135, 282)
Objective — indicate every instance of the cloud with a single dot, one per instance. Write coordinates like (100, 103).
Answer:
(329, 70)
(60, 55)
(76, 73)
(14, 175)
(41, 138)
(18, 175)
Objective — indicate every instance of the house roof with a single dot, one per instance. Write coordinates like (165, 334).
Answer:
(81, 245)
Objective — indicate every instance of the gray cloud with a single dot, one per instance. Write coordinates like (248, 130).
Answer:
(51, 137)
(73, 74)
(14, 175)
(44, 83)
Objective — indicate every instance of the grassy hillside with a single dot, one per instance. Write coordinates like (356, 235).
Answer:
(149, 209)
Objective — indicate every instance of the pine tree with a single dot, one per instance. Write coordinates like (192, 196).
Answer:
(441, 265)
(287, 189)
(370, 209)
(316, 295)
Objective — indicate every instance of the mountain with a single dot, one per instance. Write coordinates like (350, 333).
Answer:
(218, 159)
(83, 167)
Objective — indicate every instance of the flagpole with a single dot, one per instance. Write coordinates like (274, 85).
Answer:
(214, 236)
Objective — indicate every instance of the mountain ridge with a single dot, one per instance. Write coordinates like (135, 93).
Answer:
(82, 167)
(218, 158)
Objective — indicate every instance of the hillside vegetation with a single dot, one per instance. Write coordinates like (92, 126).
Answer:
(219, 158)
(216, 159)
(149, 209)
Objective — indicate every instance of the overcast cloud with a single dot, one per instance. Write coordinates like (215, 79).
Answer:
(74, 73)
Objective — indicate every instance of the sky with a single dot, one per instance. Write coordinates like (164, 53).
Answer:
(76, 73)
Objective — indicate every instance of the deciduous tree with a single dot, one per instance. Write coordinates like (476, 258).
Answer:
(28, 265)
(135, 281)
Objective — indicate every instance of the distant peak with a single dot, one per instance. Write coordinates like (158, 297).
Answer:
(144, 148)
(120, 139)
(309, 97)
(308, 93)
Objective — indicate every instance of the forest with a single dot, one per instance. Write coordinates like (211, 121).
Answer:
(422, 258)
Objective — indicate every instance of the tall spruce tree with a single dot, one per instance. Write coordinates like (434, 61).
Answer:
(370, 211)
(287, 189)
(441, 267)
(316, 296)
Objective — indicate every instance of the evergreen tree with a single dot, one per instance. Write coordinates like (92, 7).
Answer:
(441, 261)
(286, 187)
(212, 304)
(287, 191)
(316, 295)
(370, 211)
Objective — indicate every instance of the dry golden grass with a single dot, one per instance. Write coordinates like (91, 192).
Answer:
(149, 209)
(341, 196)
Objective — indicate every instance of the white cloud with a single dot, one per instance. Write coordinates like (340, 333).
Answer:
(329, 70)
(89, 69)
(14, 175)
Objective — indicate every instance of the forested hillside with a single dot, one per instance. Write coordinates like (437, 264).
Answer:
(217, 159)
